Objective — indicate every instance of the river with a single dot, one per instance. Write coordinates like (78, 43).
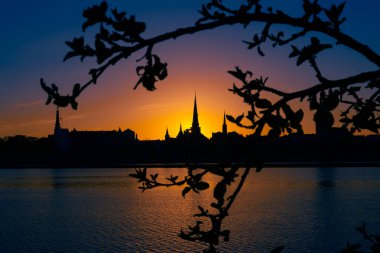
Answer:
(102, 210)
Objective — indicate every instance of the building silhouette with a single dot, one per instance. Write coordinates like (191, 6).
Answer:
(180, 132)
(192, 133)
(61, 135)
(195, 128)
(89, 140)
(167, 136)
(224, 127)
(57, 126)
(118, 148)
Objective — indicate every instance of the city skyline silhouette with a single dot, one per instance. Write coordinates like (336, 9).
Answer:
(113, 102)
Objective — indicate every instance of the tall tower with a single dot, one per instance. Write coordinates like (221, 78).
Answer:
(57, 122)
(167, 136)
(180, 133)
(195, 129)
(61, 135)
(224, 128)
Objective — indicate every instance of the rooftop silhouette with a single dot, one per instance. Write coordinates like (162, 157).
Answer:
(122, 147)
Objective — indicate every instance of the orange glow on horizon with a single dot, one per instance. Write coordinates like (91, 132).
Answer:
(113, 103)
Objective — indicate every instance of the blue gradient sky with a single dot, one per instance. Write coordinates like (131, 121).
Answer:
(32, 46)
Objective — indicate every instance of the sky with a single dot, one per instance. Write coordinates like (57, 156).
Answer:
(32, 37)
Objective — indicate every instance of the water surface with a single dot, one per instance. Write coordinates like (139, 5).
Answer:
(102, 210)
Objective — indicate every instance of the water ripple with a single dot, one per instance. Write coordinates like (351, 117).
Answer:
(306, 209)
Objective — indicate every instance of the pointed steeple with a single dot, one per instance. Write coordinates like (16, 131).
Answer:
(195, 129)
(167, 136)
(224, 128)
(180, 133)
(57, 121)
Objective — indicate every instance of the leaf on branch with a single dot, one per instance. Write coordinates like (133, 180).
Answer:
(334, 13)
(239, 74)
(313, 104)
(230, 118)
(277, 39)
(289, 113)
(219, 191)
(95, 14)
(172, 179)
(77, 45)
(365, 119)
(332, 100)
(70, 55)
(62, 101)
(274, 121)
(295, 52)
(58, 100)
(78, 49)
(119, 16)
(154, 176)
(309, 53)
(311, 8)
(140, 174)
(251, 116)
(202, 186)
(263, 103)
(298, 116)
(239, 118)
(94, 75)
(254, 84)
(76, 90)
(236, 90)
(185, 191)
(206, 15)
(131, 28)
(152, 72)
(103, 34)
(319, 22)
(250, 44)
(101, 51)
(261, 53)
(48, 90)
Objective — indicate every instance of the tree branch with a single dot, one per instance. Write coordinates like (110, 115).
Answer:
(236, 192)
(360, 78)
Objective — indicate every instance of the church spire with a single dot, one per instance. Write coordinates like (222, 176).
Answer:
(224, 128)
(57, 121)
(195, 129)
(167, 136)
(180, 133)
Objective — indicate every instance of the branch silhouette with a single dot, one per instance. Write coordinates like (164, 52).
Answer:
(373, 240)
(208, 228)
(120, 36)
(123, 36)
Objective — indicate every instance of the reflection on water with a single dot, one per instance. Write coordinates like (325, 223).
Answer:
(92, 210)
